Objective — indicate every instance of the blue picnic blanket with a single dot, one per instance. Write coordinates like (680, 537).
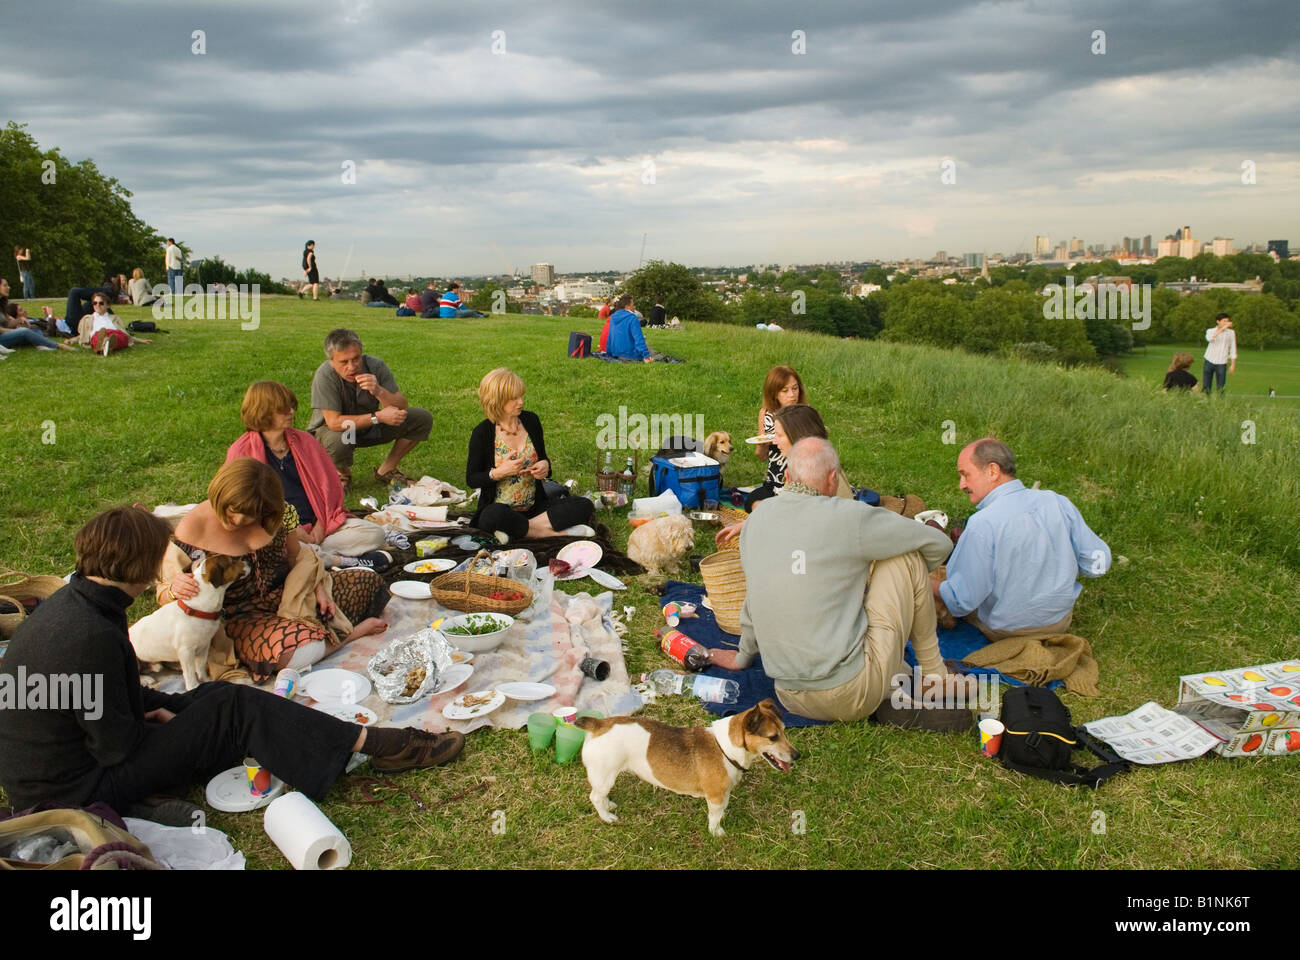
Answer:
(755, 685)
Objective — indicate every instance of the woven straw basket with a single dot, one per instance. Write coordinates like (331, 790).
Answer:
(724, 580)
(14, 588)
(471, 592)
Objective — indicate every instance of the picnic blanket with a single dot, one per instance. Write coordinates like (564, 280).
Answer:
(755, 685)
(539, 647)
(662, 358)
(1036, 660)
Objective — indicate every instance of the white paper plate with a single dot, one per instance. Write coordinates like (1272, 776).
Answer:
(582, 555)
(440, 565)
(462, 656)
(456, 674)
(348, 712)
(761, 438)
(523, 690)
(333, 685)
(410, 590)
(228, 792)
(453, 712)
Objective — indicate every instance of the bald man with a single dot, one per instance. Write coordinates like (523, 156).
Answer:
(1015, 570)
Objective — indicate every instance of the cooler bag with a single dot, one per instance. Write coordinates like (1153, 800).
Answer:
(691, 485)
(579, 345)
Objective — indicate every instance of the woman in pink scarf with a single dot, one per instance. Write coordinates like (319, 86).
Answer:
(311, 483)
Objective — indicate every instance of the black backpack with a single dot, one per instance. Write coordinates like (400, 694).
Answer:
(1040, 739)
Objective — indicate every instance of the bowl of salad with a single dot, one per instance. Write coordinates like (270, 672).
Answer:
(476, 632)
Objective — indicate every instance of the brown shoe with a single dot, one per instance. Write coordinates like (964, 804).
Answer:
(938, 720)
(392, 476)
(345, 478)
(423, 750)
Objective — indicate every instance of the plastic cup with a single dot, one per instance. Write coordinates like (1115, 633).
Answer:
(541, 730)
(286, 682)
(259, 778)
(596, 669)
(568, 741)
(991, 736)
(565, 714)
(595, 714)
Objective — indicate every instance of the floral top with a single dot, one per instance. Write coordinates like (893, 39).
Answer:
(270, 565)
(519, 491)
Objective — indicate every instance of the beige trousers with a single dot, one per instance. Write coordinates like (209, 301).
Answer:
(1061, 626)
(899, 607)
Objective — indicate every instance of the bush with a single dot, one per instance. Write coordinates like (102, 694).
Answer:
(1037, 351)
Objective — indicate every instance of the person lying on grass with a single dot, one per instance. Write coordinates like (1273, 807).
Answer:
(507, 464)
(122, 743)
(1015, 570)
(831, 641)
(245, 516)
(17, 331)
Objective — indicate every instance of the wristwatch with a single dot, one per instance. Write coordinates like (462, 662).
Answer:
(374, 420)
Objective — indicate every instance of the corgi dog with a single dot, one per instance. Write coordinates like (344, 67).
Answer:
(694, 761)
(182, 632)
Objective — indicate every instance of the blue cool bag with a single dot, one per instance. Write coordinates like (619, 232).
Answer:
(691, 485)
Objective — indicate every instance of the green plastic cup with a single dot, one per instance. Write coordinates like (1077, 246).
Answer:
(541, 728)
(568, 741)
(591, 713)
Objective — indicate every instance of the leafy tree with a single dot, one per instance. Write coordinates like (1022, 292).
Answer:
(684, 295)
(1262, 320)
(575, 310)
(482, 300)
(876, 275)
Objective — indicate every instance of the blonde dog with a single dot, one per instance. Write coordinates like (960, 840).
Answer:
(660, 544)
(718, 446)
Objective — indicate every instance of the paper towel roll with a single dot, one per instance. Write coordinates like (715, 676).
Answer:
(305, 835)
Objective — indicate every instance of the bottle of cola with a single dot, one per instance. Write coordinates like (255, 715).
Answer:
(683, 649)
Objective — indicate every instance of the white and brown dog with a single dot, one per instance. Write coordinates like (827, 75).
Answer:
(660, 544)
(182, 632)
(694, 761)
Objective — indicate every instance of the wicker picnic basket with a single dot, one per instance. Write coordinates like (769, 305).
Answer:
(724, 581)
(472, 592)
(16, 587)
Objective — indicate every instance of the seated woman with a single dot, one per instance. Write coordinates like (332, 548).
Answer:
(141, 295)
(790, 424)
(245, 516)
(102, 331)
(1179, 377)
(507, 462)
(16, 331)
(131, 742)
(311, 483)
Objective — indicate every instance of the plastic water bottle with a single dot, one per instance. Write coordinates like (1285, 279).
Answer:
(708, 689)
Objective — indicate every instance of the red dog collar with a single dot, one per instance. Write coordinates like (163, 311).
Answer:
(201, 614)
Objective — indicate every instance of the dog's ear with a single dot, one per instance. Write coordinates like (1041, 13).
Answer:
(754, 718)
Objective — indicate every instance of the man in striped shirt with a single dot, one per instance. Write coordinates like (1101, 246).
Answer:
(449, 304)
(1221, 352)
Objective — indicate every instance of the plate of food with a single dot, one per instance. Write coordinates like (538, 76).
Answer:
(462, 656)
(452, 678)
(762, 438)
(337, 686)
(430, 565)
(351, 712)
(470, 705)
(523, 690)
(410, 590)
(580, 555)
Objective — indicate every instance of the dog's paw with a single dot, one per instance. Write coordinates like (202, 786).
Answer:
(718, 831)
(611, 804)
(608, 817)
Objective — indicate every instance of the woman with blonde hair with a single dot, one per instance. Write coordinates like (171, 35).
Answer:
(311, 483)
(507, 464)
(284, 610)
(139, 288)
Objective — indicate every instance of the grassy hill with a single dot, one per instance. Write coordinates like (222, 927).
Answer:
(1205, 520)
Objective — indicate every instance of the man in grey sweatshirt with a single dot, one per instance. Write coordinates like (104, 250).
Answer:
(807, 555)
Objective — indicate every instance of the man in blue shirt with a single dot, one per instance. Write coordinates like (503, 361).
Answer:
(449, 305)
(625, 337)
(1015, 568)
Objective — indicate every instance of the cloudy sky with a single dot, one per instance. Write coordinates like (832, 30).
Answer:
(492, 134)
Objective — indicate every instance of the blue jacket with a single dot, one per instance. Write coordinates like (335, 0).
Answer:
(625, 337)
(448, 304)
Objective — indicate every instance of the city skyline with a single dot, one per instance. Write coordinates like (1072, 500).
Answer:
(476, 141)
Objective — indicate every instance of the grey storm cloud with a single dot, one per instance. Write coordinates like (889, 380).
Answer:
(544, 149)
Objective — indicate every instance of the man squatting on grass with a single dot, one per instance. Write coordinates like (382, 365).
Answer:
(138, 741)
(1015, 569)
(352, 387)
(806, 553)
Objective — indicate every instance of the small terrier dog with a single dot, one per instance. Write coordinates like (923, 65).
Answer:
(182, 632)
(694, 761)
(660, 544)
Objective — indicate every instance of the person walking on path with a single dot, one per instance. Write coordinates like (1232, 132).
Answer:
(309, 271)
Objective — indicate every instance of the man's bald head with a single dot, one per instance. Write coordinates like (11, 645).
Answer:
(983, 465)
(813, 462)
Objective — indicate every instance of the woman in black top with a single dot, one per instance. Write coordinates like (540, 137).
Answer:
(1178, 377)
(309, 269)
(507, 463)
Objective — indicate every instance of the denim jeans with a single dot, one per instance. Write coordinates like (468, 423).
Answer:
(29, 284)
(1211, 371)
(174, 281)
(25, 337)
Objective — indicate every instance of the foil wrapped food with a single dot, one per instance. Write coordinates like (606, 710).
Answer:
(407, 669)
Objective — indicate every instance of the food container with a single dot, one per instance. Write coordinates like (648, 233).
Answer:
(476, 642)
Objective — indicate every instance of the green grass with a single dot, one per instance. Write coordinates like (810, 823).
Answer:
(1257, 370)
(1206, 522)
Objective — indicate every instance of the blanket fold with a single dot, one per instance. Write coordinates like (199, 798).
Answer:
(1040, 660)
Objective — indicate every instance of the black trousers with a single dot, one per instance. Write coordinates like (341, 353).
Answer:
(562, 512)
(761, 492)
(222, 724)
